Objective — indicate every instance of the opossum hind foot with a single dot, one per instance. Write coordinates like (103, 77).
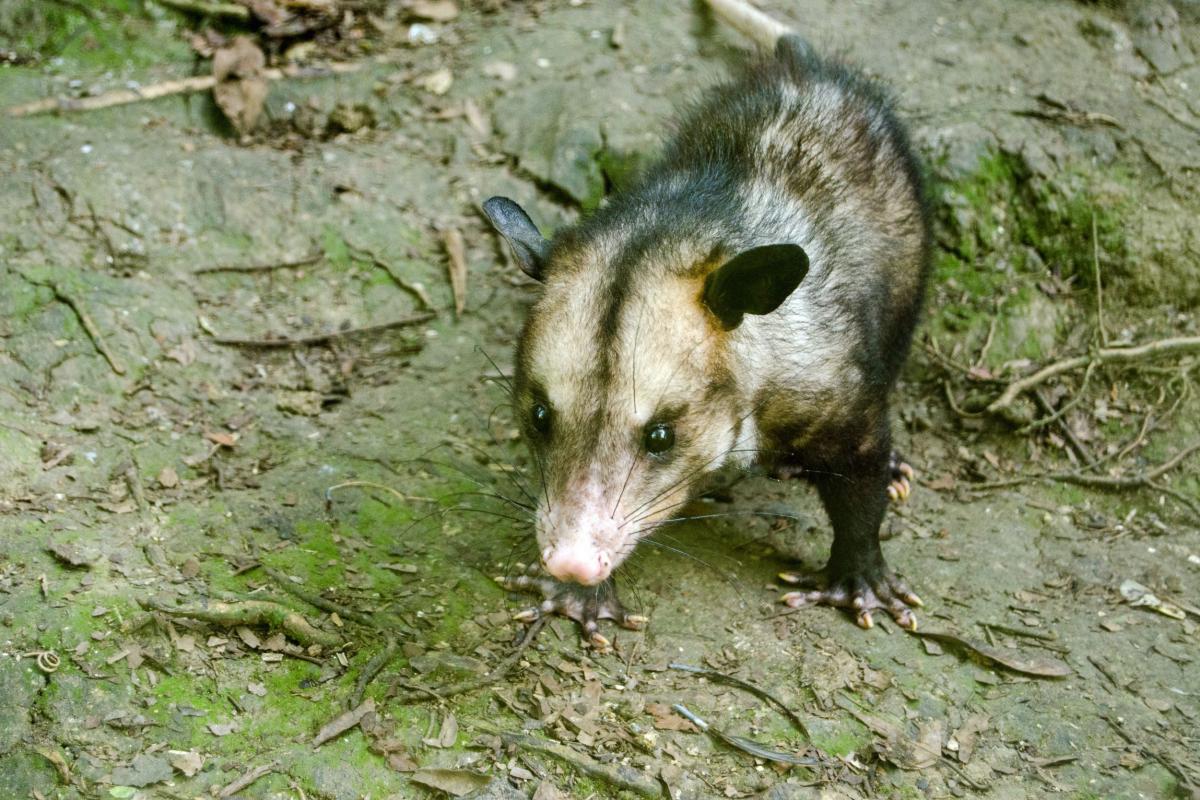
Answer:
(587, 605)
(861, 593)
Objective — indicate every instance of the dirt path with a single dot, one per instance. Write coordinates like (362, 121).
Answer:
(142, 462)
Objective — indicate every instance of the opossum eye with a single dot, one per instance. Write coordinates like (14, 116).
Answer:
(539, 415)
(660, 437)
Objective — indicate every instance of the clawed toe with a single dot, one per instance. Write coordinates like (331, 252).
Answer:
(900, 487)
(860, 595)
(586, 605)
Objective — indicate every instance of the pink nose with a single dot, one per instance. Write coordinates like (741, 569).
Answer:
(588, 566)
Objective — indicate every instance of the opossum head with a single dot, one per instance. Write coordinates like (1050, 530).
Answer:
(625, 385)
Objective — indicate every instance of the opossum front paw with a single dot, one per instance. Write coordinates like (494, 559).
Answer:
(902, 475)
(587, 605)
(862, 592)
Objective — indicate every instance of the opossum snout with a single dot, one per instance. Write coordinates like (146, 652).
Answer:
(580, 564)
(582, 533)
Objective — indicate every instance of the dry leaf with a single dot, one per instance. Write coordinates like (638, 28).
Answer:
(221, 438)
(665, 719)
(477, 118)
(189, 762)
(434, 10)
(968, 735)
(249, 637)
(455, 782)
(548, 791)
(500, 70)
(344, 722)
(1040, 666)
(437, 82)
(241, 88)
(168, 478)
(1138, 595)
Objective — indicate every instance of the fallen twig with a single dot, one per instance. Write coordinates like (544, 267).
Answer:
(452, 240)
(366, 484)
(414, 289)
(230, 789)
(343, 722)
(1148, 480)
(199, 83)
(1057, 416)
(372, 668)
(89, 325)
(746, 745)
(712, 674)
(1135, 481)
(228, 10)
(249, 612)
(1105, 355)
(314, 599)
(617, 775)
(498, 672)
(324, 338)
(267, 267)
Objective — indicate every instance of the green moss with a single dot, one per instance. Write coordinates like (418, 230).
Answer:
(1005, 218)
(97, 35)
(337, 252)
(843, 741)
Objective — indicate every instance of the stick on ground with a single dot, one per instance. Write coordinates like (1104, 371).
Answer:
(312, 258)
(618, 775)
(324, 338)
(250, 612)
(199, 83)
(498, 672)
(1105, 355)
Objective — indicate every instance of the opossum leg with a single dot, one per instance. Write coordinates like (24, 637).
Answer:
(902, 475)
(587, 605)
(856, 576)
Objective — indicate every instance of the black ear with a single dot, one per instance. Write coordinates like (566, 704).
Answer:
(754, 282)
(527, 242)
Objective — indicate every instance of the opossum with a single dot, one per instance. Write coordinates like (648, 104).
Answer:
(751, 298)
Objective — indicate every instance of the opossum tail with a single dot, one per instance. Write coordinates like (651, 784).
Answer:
(764, 31)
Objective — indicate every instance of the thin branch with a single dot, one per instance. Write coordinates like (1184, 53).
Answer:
(300, 262)
(324, 338)
(500, 671)
(228, 10)
(199, 83)
(1105, 355)
(89, 325)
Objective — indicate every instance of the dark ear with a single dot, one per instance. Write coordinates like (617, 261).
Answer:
(527, 242)
(754, 282)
